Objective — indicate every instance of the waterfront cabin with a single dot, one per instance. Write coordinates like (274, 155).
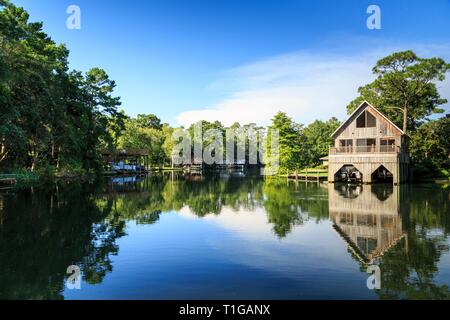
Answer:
(368, 147)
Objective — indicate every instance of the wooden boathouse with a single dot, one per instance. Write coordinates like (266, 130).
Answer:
(368, 147)
(126, 161)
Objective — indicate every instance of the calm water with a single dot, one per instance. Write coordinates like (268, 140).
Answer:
(224, 237)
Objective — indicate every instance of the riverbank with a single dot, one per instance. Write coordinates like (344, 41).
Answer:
(26, 179)
(321, 174)
(19, 178)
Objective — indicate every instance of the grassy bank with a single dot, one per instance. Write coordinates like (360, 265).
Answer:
(26, 178)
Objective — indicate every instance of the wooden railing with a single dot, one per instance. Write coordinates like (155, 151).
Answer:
(366, 149)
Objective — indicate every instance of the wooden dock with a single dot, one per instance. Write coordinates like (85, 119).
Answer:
(309, 175)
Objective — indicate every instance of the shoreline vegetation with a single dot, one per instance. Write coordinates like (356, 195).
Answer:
(55, 121)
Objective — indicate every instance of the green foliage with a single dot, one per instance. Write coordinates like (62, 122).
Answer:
(430, 146)
(405, 81)
(318, 136)
(50, 117)
(300, 147)
(134, 137)
(206, 141)
(168, 144)
(237, 134)
(291, 142)
(148, 121)
(145, 132)
(73, 229)
(53, 119)
(445, 173)
(26, 178)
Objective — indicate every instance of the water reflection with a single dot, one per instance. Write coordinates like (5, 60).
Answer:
(367, 218)
(404, 230)
(44, 231)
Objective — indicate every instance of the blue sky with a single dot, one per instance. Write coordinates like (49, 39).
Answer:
(241, 60)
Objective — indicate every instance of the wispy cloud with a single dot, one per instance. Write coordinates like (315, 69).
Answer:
(306, 85)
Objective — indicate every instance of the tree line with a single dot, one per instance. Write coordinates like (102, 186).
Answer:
(405, 89)
(299, 146)
(50, 116)
(54, 119)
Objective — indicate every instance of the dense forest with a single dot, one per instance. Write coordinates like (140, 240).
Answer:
(52, 118)
(55, 121)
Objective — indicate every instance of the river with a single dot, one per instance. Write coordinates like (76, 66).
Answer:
(224, 237)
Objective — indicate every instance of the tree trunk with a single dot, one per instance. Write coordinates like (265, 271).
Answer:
(405, 118)
(58, 157)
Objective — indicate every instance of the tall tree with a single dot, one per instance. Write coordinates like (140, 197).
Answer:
(50, 117)
(146, 132)
(98, 89)
(116, 126)
(149, 121)
(169, 143)
(405, 82)
(291, 142)
(318, 137)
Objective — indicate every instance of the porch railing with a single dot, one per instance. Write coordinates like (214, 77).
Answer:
(366, 149)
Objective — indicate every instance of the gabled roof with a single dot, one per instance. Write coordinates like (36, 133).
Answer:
(368, 258)
(363, 105)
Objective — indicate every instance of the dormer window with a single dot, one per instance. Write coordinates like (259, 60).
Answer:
(366, 120)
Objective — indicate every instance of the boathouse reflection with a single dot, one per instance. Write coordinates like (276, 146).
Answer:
(367, 218)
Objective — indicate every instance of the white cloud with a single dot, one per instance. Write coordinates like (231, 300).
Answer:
(305, 85)
(255, 244)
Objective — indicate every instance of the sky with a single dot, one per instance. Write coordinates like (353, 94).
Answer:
(228, 60)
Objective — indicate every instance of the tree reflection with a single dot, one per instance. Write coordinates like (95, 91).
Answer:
(409, 271)
(288, 204)
(408, 229)
(411, 274)
(44, 230)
